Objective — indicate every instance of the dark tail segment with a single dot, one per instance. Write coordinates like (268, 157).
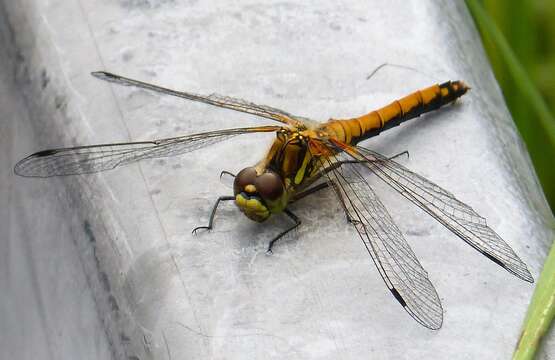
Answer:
(448, 92)
(355, 130)
(453, 89)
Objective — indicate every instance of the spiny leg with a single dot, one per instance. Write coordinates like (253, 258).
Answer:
(406, 152)
(297, 223)
(317, 188)
(314, 189)
(334, 166)
(297, 197)
(343, 162)
(227, 178)
(309, 191)
(326, 184)
(226, 173)
(213, 213)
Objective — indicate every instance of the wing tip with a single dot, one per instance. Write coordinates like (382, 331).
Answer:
(19, 168)
(520, 271)
(434, 326)
(432, 323)
(104, 75)
(99, 74)
(525, 275)
(18, 171)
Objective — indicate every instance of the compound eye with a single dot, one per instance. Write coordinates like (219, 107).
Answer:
(244, 178)
(269, 185)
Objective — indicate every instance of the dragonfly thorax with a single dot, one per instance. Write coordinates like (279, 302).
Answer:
(259, 195)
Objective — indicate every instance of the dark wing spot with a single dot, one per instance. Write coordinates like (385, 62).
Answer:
(495, 260)
(398, 297)
(45, 153)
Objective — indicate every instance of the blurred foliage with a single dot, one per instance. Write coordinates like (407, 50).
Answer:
(519, 37)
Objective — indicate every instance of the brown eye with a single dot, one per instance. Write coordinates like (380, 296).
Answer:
(244, 178)
(269, 185)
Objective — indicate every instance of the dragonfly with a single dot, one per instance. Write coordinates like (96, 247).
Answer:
(305, 157)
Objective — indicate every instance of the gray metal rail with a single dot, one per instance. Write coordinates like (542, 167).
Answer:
(105, 265)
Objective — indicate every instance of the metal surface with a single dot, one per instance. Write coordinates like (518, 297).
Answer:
(159, 292)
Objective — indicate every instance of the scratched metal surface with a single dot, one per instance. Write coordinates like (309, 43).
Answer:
(150, 289)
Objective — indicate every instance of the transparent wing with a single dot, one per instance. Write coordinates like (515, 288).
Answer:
(94, 158)
(458, 217)
(214, 99)
(392, 255)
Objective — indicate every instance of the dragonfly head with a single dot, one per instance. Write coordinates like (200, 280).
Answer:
(258, 195)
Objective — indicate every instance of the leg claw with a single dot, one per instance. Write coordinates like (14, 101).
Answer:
(200, 228)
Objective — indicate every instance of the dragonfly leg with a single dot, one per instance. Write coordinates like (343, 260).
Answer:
(310, 191)
(406, 152)
(227, 178)
(213, 214)
(297, 221)
(338, 164)
(225, 172)
(325, 185)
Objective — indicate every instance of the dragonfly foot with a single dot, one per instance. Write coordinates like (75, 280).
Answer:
(213, 214)
(227, 178)
(271, 244)
(194, 232)
(297, 223)
(406, 152)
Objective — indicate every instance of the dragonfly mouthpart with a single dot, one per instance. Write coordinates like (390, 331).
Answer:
(250, 188)
(252, 206)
